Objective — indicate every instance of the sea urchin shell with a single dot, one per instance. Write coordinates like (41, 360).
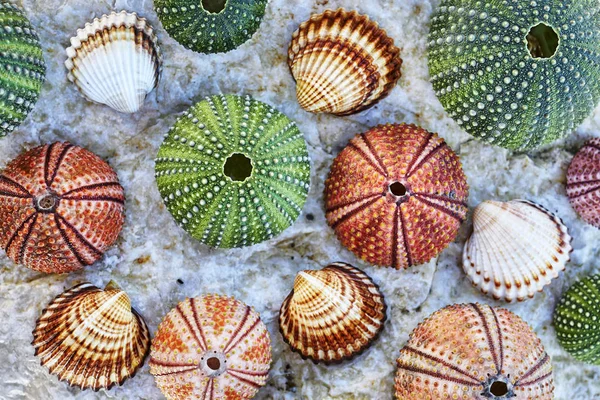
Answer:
(61, 207)
(583, 182)
(332, 314)
(91, 338)
(396, 195)
(516, 73)
(211, 347)
(475, 352)
(22, 65)
(233, 171)
(577, 320)
(115, 60)
(516, 248)
(211, 26)
(342, 62)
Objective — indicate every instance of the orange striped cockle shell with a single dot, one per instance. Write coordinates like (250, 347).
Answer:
(91, 338)
(474, 352)
(61, 207)
(211, 347)
(396, 195)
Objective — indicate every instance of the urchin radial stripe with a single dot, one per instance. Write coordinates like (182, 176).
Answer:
(47, 164)
(189, 325)
(402, 223)
(488, 336)
(26, 238)
(542, 361)
(59, 162)
(238, 334)
(419, 151)
(13, 183)
(343, 218)
(440, 146)
(436, 375)
(442, 198)
(12, 194)
(375, 154)
(367, 159)
(443, 362)
(585, 193)
(78, 235)
(352, 202)
(91, 187)
(440, 208)
(203, 345)
(244, 380)
(395, 238)
(96, 198)
(540, 379)
(500, 340)
(70, 245)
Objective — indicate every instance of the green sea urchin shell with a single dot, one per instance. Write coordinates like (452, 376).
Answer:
(577, 320)
(22, 67)
(211, 26)
(516, 73)
(233, 171)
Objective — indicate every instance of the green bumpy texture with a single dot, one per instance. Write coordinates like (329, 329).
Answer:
(577, 320)
(488, 82)
(205, 32)
(204, 200)
(22, 67)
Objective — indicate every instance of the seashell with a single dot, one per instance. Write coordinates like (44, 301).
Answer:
(576, 320)
(396, 195)
(61, 207)
(91, 338)
(211, 347)
(516, 249)
(332, 314)
(211, 26)
(489, 61)
(256, 167)
(583, 182)
(22, 65)
(475, 352)
(115, 60)
(343, 63)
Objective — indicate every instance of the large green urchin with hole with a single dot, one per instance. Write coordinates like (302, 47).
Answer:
(516, 73)
(577, 320)
(233, 171)
(211, 26)
(22, 67)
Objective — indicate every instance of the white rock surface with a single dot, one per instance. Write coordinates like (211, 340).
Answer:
(152, 252)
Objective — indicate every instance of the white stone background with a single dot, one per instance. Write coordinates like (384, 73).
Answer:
(153, 252)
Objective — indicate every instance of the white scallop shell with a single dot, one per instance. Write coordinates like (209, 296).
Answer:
(115, 60)
(516, 248)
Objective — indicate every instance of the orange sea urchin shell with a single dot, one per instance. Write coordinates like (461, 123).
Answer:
(91, 338)
(583, 182)
(211, 347)
(474, 352)
(396, 195)
(332, 314)
(61, 207)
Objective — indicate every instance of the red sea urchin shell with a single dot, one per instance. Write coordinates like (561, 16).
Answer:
(61, 207)
(211, 347)
(474, 352)
(396, 195)
(583, 182)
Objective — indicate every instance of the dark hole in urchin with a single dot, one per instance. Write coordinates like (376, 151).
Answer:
(214, 6)
(238, 167)
(499, 389)
(47, 202)
(213, 363)
(398, 189)
(542, 41)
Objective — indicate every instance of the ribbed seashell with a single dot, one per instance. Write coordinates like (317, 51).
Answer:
(474, 352)
(342, 62)
(91, 338)
(332, 314)
(211, 347)
(583, 182)
(61, 208)
(516, 249)
(115, 60)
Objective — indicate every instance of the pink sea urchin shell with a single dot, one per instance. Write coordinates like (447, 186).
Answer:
(583, 182)
(474, 352)
(61, 207)
(211, 347)
(396, 195)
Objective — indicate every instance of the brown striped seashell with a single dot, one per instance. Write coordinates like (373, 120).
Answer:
(342, 62)
(91, 338)
(332, 314)
(211, 347)
(516, 249)
(474, 352)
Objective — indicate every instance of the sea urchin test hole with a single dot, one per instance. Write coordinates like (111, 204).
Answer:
(238, 167)
(214, 6)
(499, 389)
(213, 363)
(398, 189)
(542, 41)
(46, 202)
